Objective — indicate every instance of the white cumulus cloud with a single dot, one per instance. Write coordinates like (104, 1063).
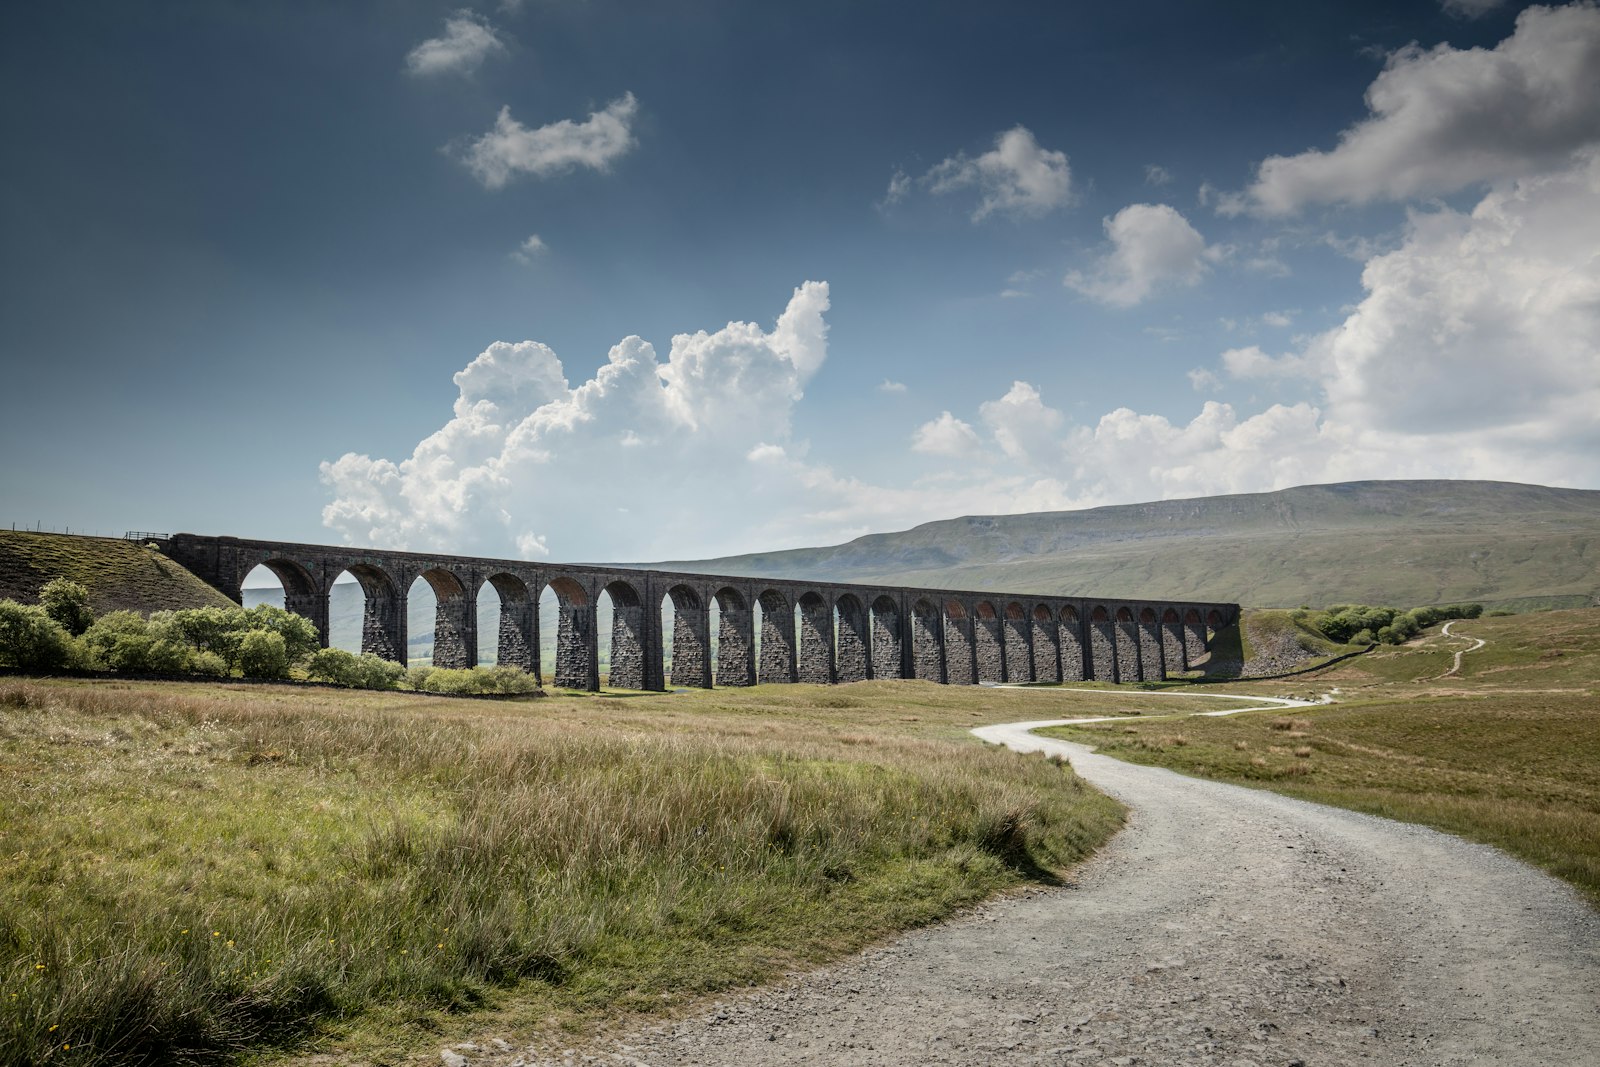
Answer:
(512, 148)
(1152, 245)
(1444, 119)
(468, 40)
(529, 249)
(945, 436)
(526, 458)
(1017, 176)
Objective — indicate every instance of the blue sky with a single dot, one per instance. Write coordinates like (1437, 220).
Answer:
(366, 272)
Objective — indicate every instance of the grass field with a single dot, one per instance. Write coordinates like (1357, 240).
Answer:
(1507, 753)
(197, 870)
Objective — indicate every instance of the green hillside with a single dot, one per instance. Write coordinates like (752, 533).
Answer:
(1407, 542)
(118, 574)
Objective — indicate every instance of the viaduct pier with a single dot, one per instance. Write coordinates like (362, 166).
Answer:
(769, 630)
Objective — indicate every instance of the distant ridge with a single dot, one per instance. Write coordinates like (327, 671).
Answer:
(1412, 542)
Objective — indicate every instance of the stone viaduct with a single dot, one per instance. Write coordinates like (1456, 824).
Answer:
(809, 631)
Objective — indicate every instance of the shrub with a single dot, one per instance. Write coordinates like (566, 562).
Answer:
(1363, 638)
(366, 671)
(136, 653)
(417, 678)
(207, 664)
(478, 680)
(32, 640)
(263, 654)
(67, 603)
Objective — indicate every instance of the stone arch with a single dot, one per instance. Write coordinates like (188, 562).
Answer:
(1046, 645)
(959, 668)
(777, 638)
(1214, 619)
(814, 663)
(927, 655)
(628, 636)
(887, 650)
(455, 618)
(383, 612)
(1194, 638)
(1069, 633)
(853, 639)
(736, 642)
(517, 633)
(691, 637)
(1102, 645)
(988, 643)
(303, 594)
(1019, 649)
(577, 640)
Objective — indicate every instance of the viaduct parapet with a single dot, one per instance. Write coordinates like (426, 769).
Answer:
(809, 631)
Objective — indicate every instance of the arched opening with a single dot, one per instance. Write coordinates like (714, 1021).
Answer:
(958, 663)
(814, 628)
(572, 621)
(989, 643)
(852, 639)
(625, 655)
(927, 655)
(1046, 646)
(364, 613)
(283, 583)
(887, 651)
(1102, 645)
(686, 624)
(736, 643)
(1070, 635)
(775, 646)
(508, 628)
(1019, 650)
(450, 638)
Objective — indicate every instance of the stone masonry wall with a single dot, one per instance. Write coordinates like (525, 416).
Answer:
(1127, 638)
(816, 642)
(1150, 652)
(777, 640)
(1103, 651)
(1172, 647)
(886, 650)
(691, 645)
(1071, 651)
(927, 657)
(1019, 656)
(575, 645)
(851, 662)
(991, 649)
(1046, 651)
(735, 646)
(958, 651)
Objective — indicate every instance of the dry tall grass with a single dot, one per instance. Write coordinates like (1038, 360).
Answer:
(197, 871)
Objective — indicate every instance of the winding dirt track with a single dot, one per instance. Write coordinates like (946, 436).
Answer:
(1222, 926)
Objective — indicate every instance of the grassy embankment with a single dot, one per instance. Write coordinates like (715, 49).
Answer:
(195, 870)
(120, 575)
(1507, 753)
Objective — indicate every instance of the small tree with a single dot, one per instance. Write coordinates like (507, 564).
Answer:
(67, 603)
(263, 655)
(32, 640)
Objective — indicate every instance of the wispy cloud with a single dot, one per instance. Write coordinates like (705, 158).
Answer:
(468, 40)
(512, 148)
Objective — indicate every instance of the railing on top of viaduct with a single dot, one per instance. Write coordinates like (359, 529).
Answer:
(835, 632)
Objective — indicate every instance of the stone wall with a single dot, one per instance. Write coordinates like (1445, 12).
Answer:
(1172, 647)
(691, 639)
(1150, 662)
(1126, 632)
(958, 660)
(887, 652)
(927, 657)
(1046, 648)
(777, 639)
(991, 648)
(816, 640)
(1071, 638)
(852, 641)
(736, 643)
(1103, 651)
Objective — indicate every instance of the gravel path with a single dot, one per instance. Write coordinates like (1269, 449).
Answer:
(1223, 926)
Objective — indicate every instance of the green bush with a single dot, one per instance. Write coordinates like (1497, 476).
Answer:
(417, 678)
(67, 603)
(263, 654)
(32, 640)
(478, 680)
(1364, 638)
(366, 671)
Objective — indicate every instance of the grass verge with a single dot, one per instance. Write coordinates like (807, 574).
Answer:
(195, 872)
(1508, 753)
